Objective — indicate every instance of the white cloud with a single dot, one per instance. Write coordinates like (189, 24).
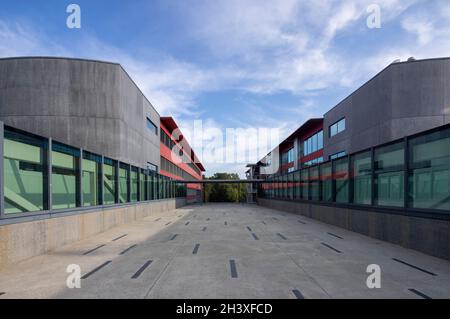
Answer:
(264, 47)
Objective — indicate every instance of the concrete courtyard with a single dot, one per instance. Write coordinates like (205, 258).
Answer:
(228, 251)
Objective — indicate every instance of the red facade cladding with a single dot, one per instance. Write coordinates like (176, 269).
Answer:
(307, 130)
(314, 128)
(168, 125)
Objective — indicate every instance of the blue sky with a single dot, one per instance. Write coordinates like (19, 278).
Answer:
(234, 63)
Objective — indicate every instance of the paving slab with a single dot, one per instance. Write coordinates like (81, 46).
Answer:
(228, 251)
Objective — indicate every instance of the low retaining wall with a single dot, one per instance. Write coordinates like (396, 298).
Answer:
(22, 240)
(430, 236)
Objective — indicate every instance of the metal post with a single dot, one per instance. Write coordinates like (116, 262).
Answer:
(138, 189)
(129, 184)
(49, 175)
(116, 186)
(2, 181)
(333, 182)
(349, 180)
(102, 182)
(405, 173)
(372, 177)
(80, 178)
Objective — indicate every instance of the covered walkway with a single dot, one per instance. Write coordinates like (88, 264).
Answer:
(228, 251)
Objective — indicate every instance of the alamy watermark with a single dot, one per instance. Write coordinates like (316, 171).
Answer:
(214, 145)
(74, 279)
(374, 279)
(374, 19)
(74, 19)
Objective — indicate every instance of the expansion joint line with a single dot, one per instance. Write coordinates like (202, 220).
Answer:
(160, 274)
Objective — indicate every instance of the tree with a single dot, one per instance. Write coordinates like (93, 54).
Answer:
(224, 192)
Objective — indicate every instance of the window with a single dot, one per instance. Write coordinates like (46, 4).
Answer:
(304, 184)
(291, 185)
(362, 178)
(320, 140)
(389, 176)
(152, 167)
(25, 172)
(314, 183)
(338, 155)
(91, 179)
(313, 143)
(297, 184)
(65, 172)
(340, 174)
(134, 183)
(313, 162)
(326, 179)
(152, 127)
(337, 127)
(429, 171)
(143, 185)
(124, 172)
(287, 157)
(109, 181)
(150, 187)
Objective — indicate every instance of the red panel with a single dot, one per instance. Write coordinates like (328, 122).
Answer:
(167, 154)
(175, 177)
(312, 156)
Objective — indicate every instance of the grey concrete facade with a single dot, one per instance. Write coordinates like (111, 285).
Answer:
(87, 104)
(430, 236)
(404, 99)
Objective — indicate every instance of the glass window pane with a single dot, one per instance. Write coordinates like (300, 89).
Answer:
(25, 173)
(314, 182)
(91, 179)
(320, 140)
(341, 180)
(362, 178)
(123, 183)
(134, 184)
(142, 185)
(342, 125)
(314, 143)
(304, 184)
(333, 130)
(109, 181)
(389, 175)
(327, 182)
(65, 170)
(296, 184)
(429, 174)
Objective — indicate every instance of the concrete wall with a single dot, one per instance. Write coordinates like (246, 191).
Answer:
(88, 104)
(403, 99)
(19, 241)
(430, 236)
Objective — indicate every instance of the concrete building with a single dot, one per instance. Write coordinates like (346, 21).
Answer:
(381, 166)
(403, 99)
(80, 153)
(178, 159)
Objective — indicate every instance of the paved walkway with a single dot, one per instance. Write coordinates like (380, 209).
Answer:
(228, 251)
